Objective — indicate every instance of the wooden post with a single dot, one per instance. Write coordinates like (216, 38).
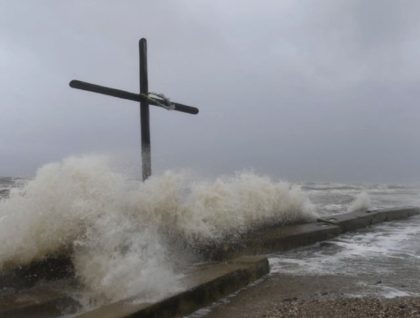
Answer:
(145, 100)
(130, 96)
(144, 113)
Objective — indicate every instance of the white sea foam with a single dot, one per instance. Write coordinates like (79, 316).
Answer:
(123, 234)
(381, 250)
(361, 203)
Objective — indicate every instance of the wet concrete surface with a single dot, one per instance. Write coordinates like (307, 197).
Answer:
(203, 284)
(370, 273)
(379, 262)
(45, 299)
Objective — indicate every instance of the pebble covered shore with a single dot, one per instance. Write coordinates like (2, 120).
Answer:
(347, 307)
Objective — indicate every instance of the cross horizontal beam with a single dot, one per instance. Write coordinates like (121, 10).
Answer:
(130, 96)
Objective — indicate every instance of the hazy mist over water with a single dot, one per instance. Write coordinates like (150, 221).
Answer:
(303, 91)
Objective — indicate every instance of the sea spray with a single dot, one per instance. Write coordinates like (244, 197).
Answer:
(124, 235)
(360, 203)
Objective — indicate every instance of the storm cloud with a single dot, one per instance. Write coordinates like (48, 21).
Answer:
(301, 90)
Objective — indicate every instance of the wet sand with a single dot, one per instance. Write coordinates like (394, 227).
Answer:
(350, 307)
(318, 296)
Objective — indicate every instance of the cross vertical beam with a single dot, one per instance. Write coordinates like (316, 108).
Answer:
(144, 112)
(145, 98)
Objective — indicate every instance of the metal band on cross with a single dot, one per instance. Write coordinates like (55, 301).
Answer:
(145, 98)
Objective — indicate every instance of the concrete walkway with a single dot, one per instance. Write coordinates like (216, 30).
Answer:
(378, 262)
(369, 273)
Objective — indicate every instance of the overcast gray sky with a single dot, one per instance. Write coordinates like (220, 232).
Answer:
(301, 90)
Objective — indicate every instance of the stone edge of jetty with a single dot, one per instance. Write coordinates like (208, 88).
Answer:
(237, 267)
(242, 270)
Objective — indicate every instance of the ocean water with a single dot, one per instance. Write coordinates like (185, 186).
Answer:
(332, 198)
(8, 183)
(129, 237)
(382, 261)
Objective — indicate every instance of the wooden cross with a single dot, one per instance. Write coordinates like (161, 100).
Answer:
(145, 98)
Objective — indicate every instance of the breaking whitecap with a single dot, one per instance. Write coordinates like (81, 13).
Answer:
(133, 236)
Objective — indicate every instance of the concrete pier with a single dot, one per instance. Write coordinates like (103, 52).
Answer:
(203, 285)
